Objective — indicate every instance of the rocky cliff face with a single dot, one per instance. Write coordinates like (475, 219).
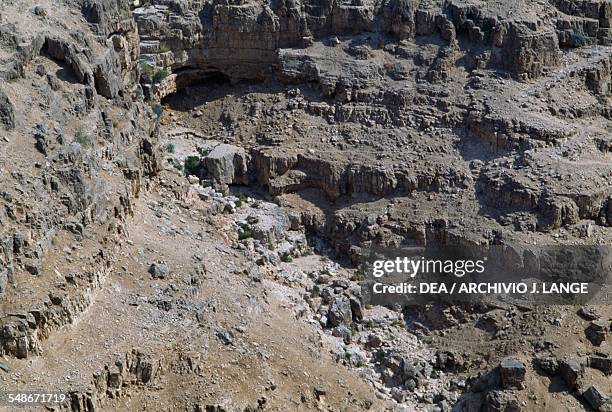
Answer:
(374, 63)
(492, 71)
(78, 146)
(168, 168)
(246, 40)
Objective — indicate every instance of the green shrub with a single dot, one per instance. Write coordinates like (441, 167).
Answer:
(146, 69)
(244, 232)
(192, 165)
(163, 47)
(159, 76)
(286, 257)
(578, 39)
(170, 148)
(158, 110)
(316, 291)
(83, 138)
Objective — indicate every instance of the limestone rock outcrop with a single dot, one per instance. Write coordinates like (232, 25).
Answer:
(183, 42)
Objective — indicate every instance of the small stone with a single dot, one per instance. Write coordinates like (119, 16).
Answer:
(357, 309)
(320, 391)
(570, 370)
(7, 112)
(225, 337)
(340, 312)
(596, 332)
(588, 313)
(602, 363)
(501, 401)
(547, 364)
(398, 394)
(342, 332)
(597, 399)
(158, 270)
(40, 11)
(512, 373)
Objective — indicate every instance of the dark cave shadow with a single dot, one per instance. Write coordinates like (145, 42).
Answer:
(471, 147)
(215, 86)
(556, 385)
(65, 73)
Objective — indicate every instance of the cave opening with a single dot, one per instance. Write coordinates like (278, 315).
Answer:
(196, 87)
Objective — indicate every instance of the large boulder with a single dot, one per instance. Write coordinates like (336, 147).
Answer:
(601, 362)
(340, 312)
(227, 164)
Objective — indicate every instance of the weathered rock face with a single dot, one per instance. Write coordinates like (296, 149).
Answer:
(249, 40)
(392, 122)
(528, 51)
(134, 368)
(283, 174)
(523, 46)
(117, 67)
(68, 148)
(584, 22)
(512, 373)
(7, 112)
